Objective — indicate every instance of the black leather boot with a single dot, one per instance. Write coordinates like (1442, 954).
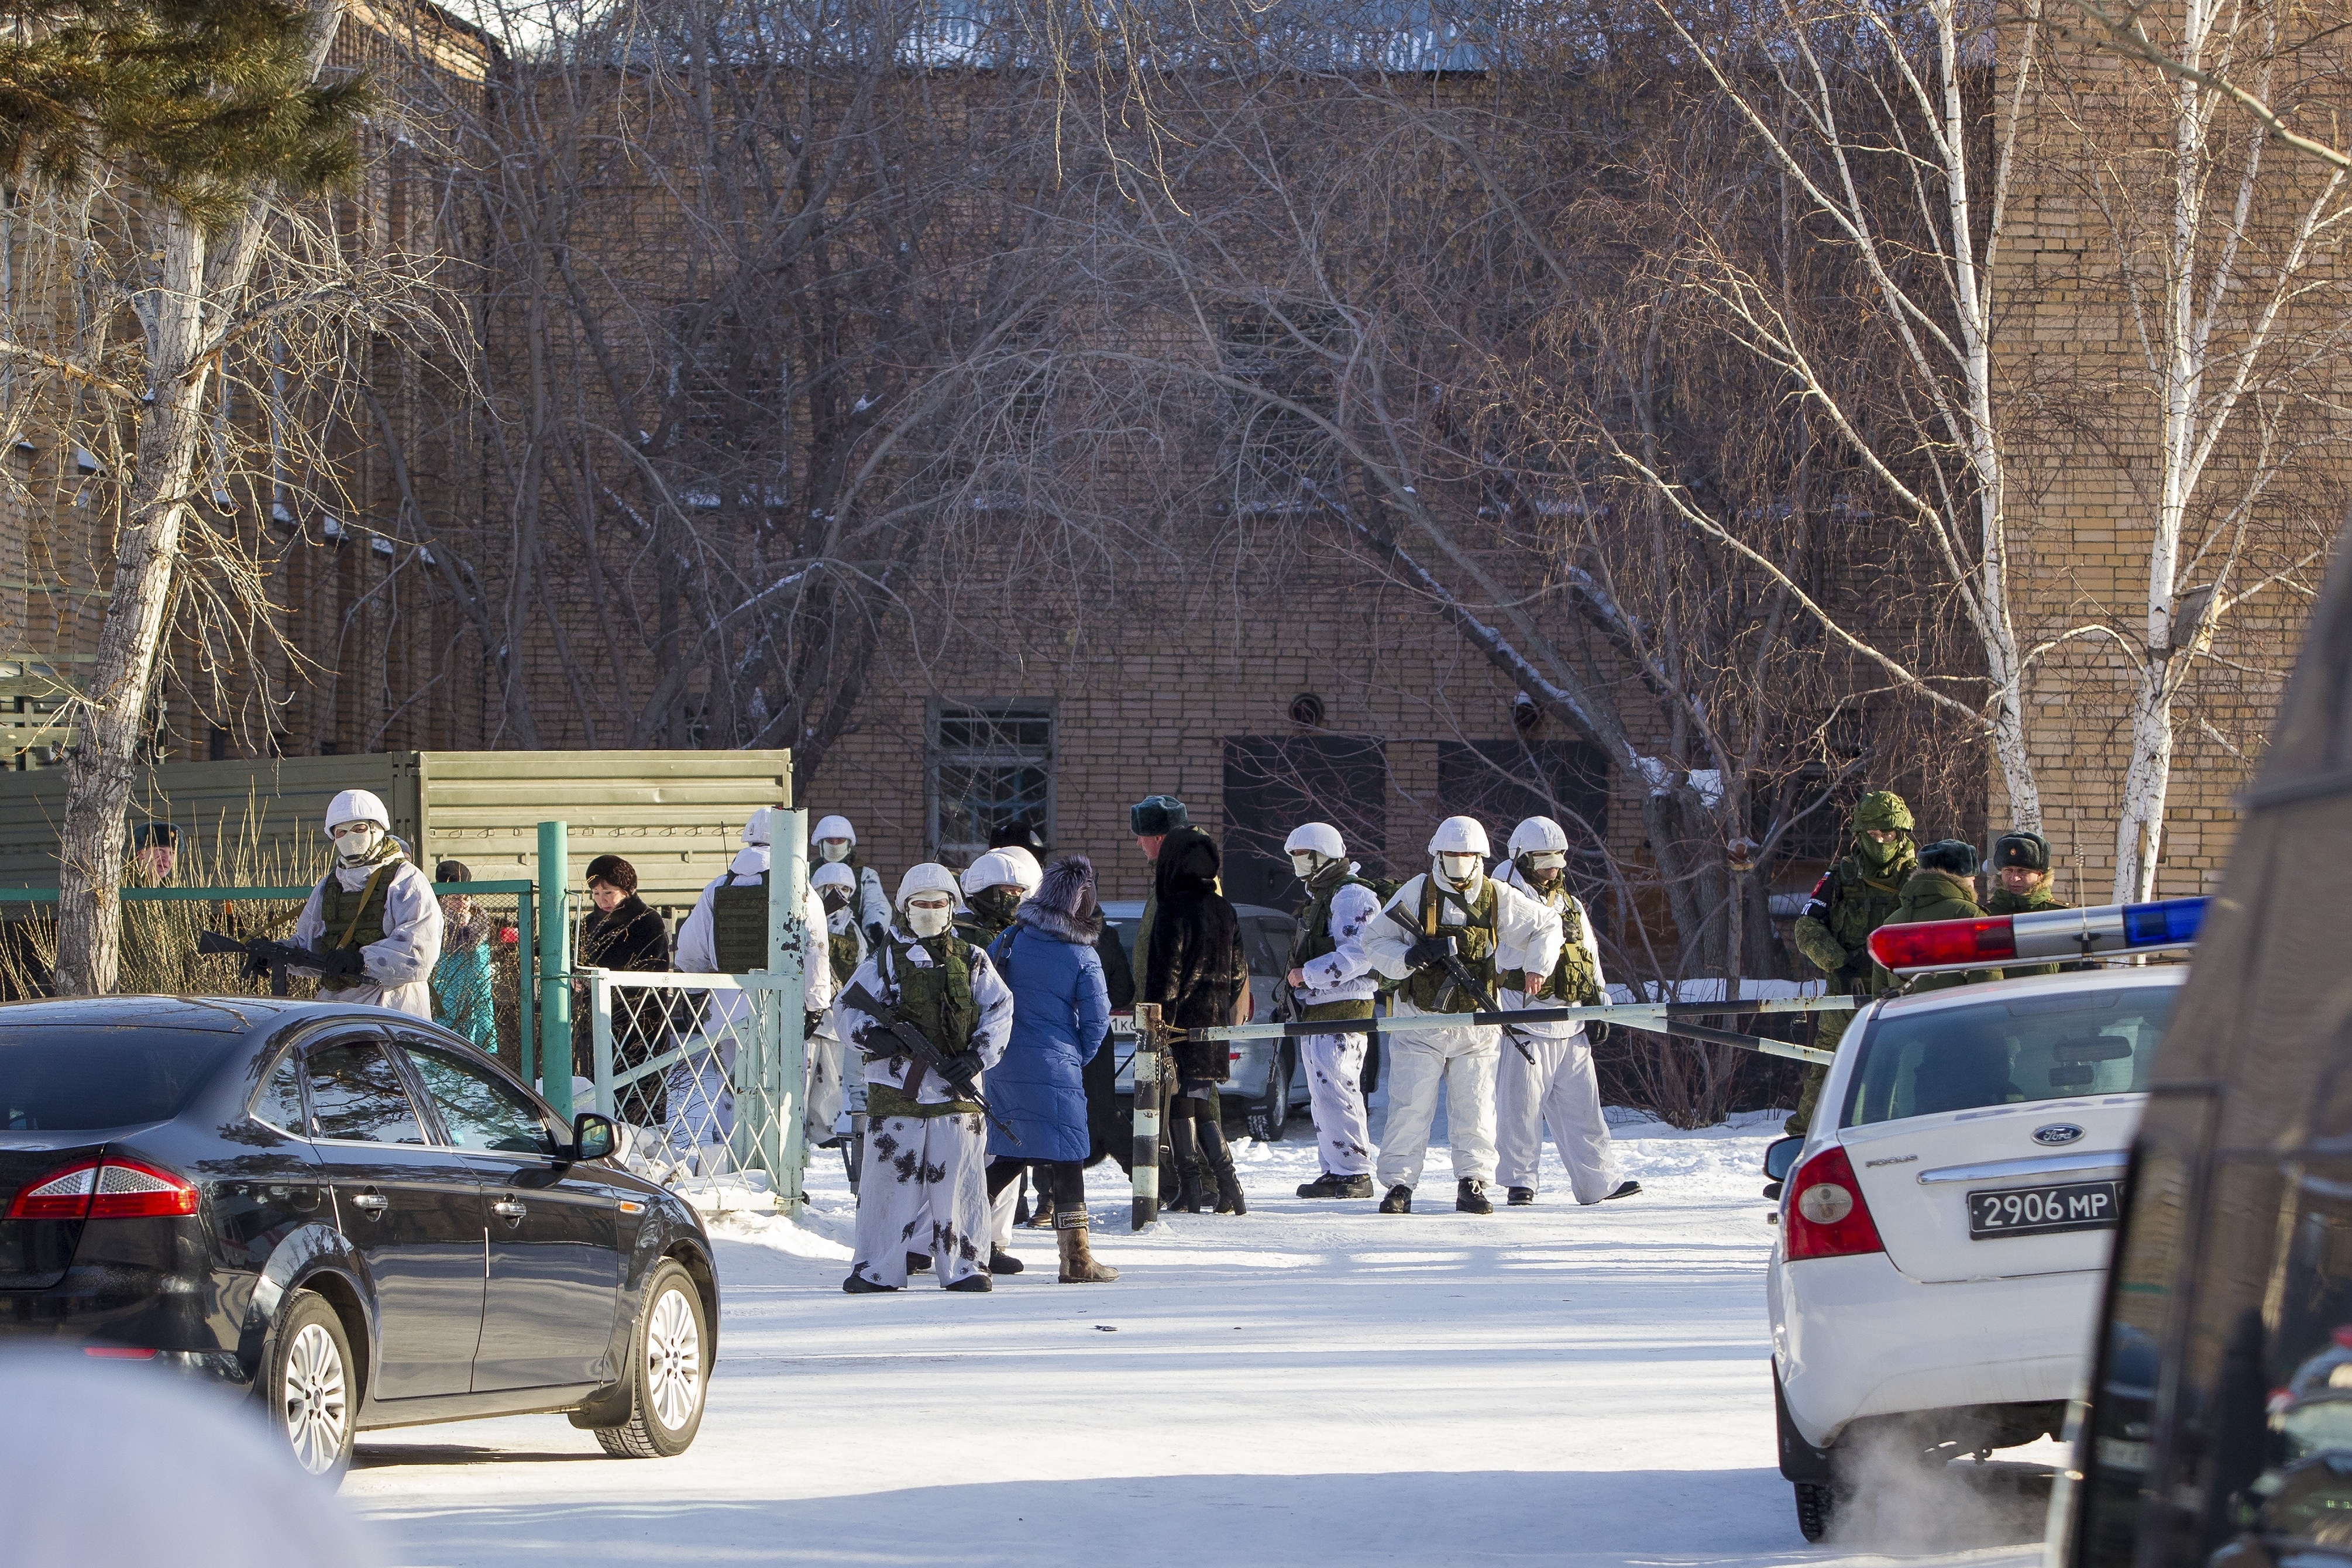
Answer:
(1192, 1189)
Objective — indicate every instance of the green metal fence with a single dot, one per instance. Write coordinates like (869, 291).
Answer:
(159, 953)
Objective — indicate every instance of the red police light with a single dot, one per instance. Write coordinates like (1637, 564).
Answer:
(1932, 944)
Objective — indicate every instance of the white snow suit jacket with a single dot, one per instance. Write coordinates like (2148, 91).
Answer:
(1526, 936)
(400, 967)
(861, 1029)
(1345, 973)
(698, 950)
(1557, 902)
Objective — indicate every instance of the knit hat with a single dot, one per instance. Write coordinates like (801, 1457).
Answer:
(2020, 846)
(453, 871)
(1955, 857)
(615, 872)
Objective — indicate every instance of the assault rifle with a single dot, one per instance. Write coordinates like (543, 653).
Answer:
(263, 957)
(1445, 953)
(928, 1058)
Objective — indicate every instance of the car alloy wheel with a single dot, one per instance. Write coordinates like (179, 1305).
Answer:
(317, 1399)
(673, 1360)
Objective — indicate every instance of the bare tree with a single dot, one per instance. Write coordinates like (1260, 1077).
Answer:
(2220, 259)
(156, 299)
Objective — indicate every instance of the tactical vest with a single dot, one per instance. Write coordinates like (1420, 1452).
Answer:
(1573, 982)
(1316, 940)
(738, 926)
(843, 946)
(1473, 940)
(1858, 905)
(354, 918)
(936, 998)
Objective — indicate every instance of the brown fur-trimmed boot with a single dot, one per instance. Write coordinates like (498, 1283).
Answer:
(1078, 1265)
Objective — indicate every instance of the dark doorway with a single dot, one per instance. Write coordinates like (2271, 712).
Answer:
(1273, 783)
(1502, 782)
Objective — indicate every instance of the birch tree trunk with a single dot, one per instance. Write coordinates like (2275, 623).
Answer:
(113, 718)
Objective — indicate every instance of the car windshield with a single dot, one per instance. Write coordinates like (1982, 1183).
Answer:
(2008, 1051)
(80, 1080)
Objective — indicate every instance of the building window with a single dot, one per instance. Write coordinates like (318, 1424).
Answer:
(992, 769)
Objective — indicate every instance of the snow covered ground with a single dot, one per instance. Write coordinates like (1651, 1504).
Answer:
(1311, 1383)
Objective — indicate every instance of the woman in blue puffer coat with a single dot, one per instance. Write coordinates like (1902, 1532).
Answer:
(1060, 1012)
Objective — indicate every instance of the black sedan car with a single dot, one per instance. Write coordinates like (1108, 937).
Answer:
(354, 1214)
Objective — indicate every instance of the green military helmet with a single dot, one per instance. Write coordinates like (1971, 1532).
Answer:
(1882, 811)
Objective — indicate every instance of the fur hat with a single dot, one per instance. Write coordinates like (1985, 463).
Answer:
(615, 872)
(1953, 857)
(1064, 904)
(2021, 847)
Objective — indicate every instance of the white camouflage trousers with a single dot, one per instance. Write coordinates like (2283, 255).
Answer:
(1560, 1090)
(1462, 1059)
(1335, 1087)
(924, 1189)
(823, 1097)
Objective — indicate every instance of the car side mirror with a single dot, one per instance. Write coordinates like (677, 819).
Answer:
(592, 1137)
(1781, 1156)
(1772, 1190)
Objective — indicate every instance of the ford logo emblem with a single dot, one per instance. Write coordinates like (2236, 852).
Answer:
(2057, 1133)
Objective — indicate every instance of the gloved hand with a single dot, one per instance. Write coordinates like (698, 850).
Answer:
(1430, 951)
(964, 1067)
(342, 963)
(255, 966)
(1595, 1031)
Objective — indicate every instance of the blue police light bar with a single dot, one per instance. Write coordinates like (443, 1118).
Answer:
(2106, 931)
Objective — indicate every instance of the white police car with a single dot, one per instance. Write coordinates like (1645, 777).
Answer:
(1945, 1223)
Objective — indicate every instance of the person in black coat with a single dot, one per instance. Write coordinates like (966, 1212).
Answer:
(624, 932)
(1199, 972)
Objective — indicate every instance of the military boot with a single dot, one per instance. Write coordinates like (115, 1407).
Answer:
(1328, 1185)
(1399, 1201)
(1470, 1196)
(1003, 1262)
(1078, 1265)
(1520, 1197)
(1625, 1190)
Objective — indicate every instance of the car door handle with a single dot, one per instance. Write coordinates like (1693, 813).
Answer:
(508, 1208)
(370, 1204)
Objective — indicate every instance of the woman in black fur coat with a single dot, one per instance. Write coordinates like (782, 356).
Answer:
(1199, 972)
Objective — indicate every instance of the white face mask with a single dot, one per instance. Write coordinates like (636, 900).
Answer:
(834, 851)
(356, 842)
(929, 919)
(1462, 871)
(1305, 862)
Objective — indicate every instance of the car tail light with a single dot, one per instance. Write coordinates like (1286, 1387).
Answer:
(118, 1352)
(106, 1189)
(1827, 1216)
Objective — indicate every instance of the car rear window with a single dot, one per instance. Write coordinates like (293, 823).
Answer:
(80, 1080)
(2008, 1052)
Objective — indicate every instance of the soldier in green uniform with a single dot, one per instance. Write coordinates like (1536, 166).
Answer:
(2021, 867)
(1853, 899)
(1942, 888)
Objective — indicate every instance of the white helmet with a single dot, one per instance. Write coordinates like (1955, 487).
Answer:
(929, 877)
(356, 806)
(1320, 837)
(832, 827)
(1026, 871)
(994, 869)
(1459, 835)
(1538, 836)
(833, 876)
(755, 828)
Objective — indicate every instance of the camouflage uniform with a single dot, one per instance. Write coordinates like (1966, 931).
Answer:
(1853, 898)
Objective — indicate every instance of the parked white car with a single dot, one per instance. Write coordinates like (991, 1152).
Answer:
(1945, 1223)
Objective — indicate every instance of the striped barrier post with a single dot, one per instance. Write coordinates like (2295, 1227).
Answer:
(1148, 1060)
